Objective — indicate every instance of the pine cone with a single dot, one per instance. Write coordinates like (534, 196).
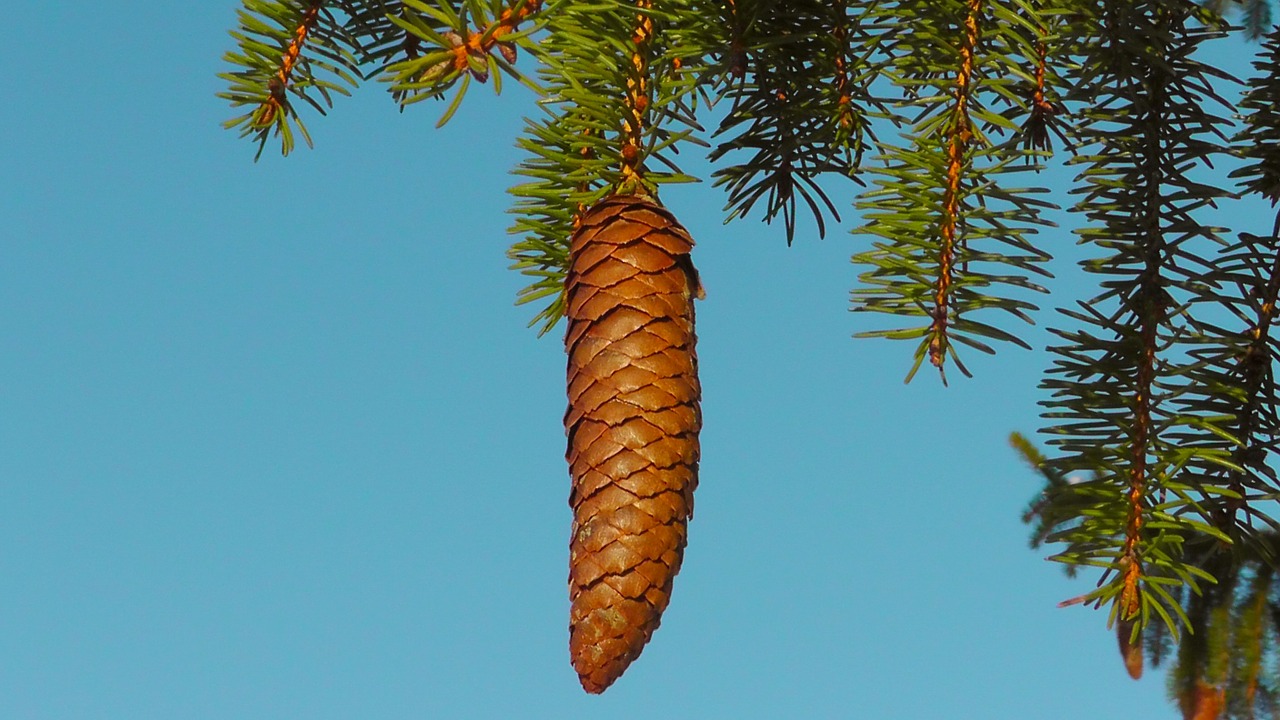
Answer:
(632, 426)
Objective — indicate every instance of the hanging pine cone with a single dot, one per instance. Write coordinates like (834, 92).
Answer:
(632, 426)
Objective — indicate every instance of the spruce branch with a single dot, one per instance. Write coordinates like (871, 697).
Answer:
(798, 77)
(450, 47)
(310, 49)
(1223, 663)
(958, 136)
(949, 240)
(1162, 410)
(638, 97)
(1250, 645)
(1121, 388)
(290, 59)
(601, 127)
(286, 48)
(1236, 352)
(1233, 380)
(1043, 117)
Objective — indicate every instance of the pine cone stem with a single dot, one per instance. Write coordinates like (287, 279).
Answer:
(632, 426)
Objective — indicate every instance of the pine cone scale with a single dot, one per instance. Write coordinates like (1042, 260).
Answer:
(632, 426)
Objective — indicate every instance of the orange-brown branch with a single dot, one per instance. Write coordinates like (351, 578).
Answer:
(1203, 702)
(1130, 561)
(1150, 304)
(270, 109)
(637, 95)
(737, 50)
(1256, 365)
(1042, 111)
(960, 136)
(1261, 331)
(481, 43)
(844, 111)
(1150, 312)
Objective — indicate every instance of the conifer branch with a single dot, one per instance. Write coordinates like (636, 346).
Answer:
(800, 104)
(266, 113)
(940, 193)
(588, 153)
(1043, 116)
(637, 96)
(448, 48)
(1234, 375)
(1201, 677)
(1150, 307)
(846, 115)
(735, 53)
(959, 135)
(603, 127)
(1124, 388)
(1253, 431)
(1166, 418)
(289, 48)
(1257, 14)
(284, 48)
(1251, 641)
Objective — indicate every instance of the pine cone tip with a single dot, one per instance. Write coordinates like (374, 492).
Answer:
(1130, 648)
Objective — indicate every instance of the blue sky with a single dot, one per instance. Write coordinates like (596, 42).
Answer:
(275, 442)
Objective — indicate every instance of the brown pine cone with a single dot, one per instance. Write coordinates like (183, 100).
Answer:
(632, 425)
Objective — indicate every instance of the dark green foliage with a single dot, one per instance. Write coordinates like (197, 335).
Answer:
(1232, 635)
(1232, 651)
(338, 43)
(1162, 406)
(1051, 510)
(574, 145)
(269, 34)
(798, 77)
(951, 238)
(1214, 422)
(1147, 122)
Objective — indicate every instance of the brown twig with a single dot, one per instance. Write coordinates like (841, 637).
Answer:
(1203, 702)
(960, 137)
(1255, 366)
(1151, 307)
(481, 43)
(270, 109)
(737, 50)
(844, 112)
(637, 95)
(1043, 112)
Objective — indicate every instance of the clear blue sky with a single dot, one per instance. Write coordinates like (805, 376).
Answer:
(275, 443)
